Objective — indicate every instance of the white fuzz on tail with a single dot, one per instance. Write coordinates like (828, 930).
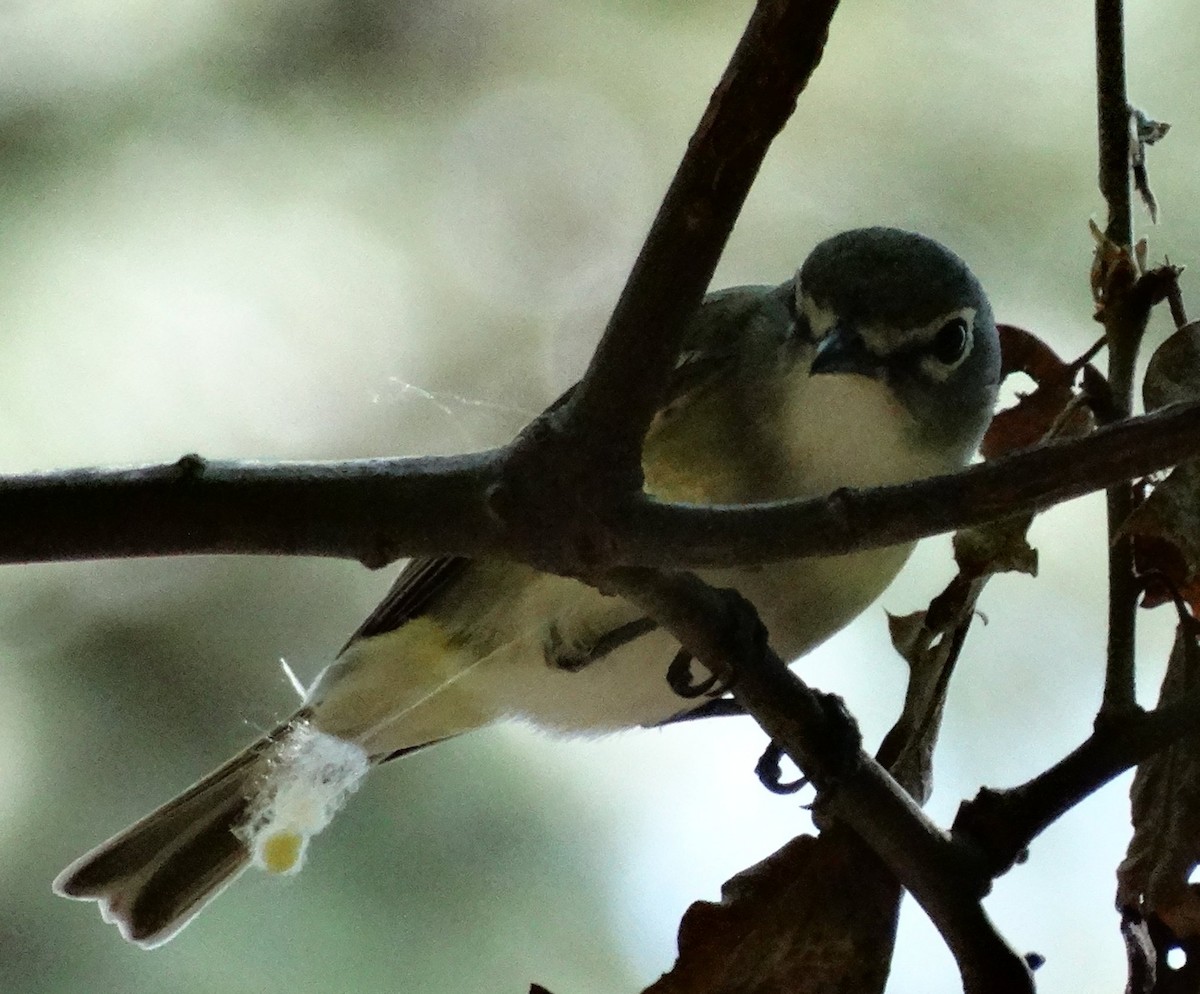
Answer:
(306, 780)
(260, 808)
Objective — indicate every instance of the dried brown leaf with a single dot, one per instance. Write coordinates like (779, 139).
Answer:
(1114, 269)
(1165, 848)
(997, 547)
(1166, 538)
(1034, 414)
(1173, 373)
(817, 916)
(929, 641)
(1140, 954)
(1166, 526)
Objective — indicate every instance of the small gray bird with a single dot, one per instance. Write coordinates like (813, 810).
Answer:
(878, 363)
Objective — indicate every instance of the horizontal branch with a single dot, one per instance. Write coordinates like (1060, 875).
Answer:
(378, 510)
(1025, 482)
(354, 509)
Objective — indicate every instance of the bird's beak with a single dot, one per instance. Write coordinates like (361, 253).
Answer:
(842, 350)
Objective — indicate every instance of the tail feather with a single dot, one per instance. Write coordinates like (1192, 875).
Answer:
(187, 879)
(153, 878)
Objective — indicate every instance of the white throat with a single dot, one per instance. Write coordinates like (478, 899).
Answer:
(850, 431)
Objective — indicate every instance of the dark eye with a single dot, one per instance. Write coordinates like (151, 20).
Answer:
(950, 342)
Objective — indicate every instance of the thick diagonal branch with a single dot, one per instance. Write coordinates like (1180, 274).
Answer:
(778, 52)
(821, 739)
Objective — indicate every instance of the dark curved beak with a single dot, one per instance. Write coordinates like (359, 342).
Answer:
(842, 350)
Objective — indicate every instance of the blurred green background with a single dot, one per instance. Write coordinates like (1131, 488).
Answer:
(327, 228)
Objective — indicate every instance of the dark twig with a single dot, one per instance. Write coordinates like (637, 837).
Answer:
(1003, 823)
(372, 510)
(378, 510)
(1175, 299)
(819, 736)
(1113, 116)
(1124, 333)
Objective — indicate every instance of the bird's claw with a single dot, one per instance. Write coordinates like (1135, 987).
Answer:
(679, 676)
(770, 773)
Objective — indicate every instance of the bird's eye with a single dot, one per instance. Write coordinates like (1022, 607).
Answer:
(950, 342)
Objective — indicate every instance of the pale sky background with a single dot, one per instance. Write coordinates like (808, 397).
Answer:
(329, 228)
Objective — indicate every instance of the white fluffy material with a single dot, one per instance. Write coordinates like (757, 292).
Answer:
(307, 778)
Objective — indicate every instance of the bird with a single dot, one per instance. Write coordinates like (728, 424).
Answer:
(877, 363)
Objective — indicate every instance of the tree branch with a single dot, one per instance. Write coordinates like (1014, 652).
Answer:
(372, 510)
(724, 634)
(614, 403)
(1112, 110)
(1002, 823)
(1123, 327)
(378, 510)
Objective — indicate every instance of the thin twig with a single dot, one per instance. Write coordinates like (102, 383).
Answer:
(1112, 109)
(1003, 823)
(1175, 300)
(1124, 338)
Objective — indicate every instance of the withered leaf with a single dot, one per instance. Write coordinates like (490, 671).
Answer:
(929, 641)
(1140, 954)
(1035, 414)
(817, 916)
(1173, 373)
(1166, 526)
(1114, 269)
(1165, 848)
(997, 547)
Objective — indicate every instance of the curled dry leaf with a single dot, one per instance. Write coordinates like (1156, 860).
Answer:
(1173, 373)
(997, 547)
(1114, 269)
(1052, 408)
(1166, 526)
(1144, 132)
(817, 916)
(1140, 954)
(1152, 880)
(929, 641)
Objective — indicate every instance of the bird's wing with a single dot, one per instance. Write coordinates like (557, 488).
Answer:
(415, 589)
(714, 341)
(716, 338)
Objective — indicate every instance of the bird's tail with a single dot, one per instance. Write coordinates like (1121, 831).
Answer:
(261, 806)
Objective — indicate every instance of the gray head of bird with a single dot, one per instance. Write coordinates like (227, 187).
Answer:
(901, 308)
